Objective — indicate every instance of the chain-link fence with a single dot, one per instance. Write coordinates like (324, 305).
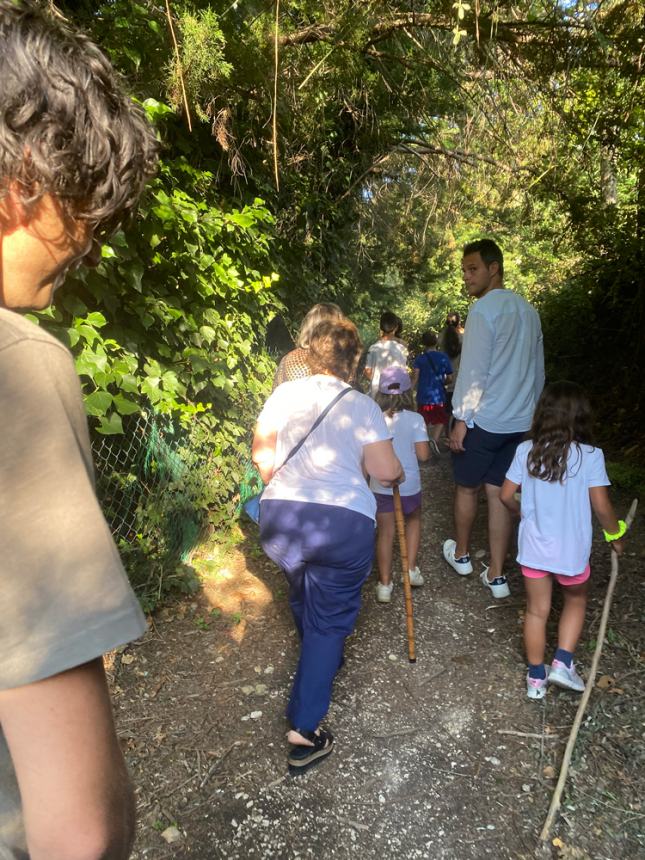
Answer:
(148, 477)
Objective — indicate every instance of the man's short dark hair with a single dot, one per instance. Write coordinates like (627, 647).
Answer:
(67, 126)
(389, 322)
(429, 339)
(489, 251)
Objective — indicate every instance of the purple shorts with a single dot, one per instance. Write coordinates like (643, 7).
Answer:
(385, 503)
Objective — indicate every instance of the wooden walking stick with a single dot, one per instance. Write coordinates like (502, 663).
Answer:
(566, 760)
(407, 590)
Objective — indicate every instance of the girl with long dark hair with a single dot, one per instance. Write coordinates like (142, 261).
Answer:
(562, 478)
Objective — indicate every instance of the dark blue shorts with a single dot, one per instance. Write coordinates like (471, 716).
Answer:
(486, 459)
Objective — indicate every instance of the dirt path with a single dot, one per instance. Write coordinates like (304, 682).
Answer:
(442, 759)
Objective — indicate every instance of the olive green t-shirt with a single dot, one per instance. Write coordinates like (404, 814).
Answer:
(64, 596)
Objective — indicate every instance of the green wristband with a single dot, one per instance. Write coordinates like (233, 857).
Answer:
(622, 528)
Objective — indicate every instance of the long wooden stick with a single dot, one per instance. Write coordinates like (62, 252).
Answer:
(566, 761)
(407, 590)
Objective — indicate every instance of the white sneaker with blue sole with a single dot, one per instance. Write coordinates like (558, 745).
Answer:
(462, 565)
(498, 586)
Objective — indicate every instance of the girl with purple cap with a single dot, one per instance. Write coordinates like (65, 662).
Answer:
(410, 437)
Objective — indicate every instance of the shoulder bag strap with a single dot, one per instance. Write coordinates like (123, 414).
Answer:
(318, 421)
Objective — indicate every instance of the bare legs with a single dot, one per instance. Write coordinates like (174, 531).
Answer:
(413, 536)
(538, 607)
(384, 546)
(538, 596)
(465, 513)
(499, 531)
(572, 618)
(499, 524)
(385, 542)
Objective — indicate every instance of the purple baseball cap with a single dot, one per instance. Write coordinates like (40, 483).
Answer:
(394, 380)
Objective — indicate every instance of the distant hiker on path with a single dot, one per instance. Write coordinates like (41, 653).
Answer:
(75, 152)
(450, 341)
(317, 515)
(562, 477)
(388, 350)
(501, 376)
(432, 370)
(408, 428)
(295, 364)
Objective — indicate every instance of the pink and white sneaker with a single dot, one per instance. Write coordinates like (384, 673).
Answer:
(536, 687)
(566, 676)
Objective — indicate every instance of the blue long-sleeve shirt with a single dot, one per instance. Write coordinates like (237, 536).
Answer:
(501, 374)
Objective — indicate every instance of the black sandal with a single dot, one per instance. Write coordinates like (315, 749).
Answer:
(301, 757)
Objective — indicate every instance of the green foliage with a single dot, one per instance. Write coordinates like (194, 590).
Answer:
(629, 476)
(203, 67)
(402, 133)
(175, 312)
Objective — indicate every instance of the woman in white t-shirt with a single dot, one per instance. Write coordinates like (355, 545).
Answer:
(562, 477)
(317, 516)
(408, 428)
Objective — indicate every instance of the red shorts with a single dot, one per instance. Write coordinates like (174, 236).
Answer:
(561, 578)
(434, 413)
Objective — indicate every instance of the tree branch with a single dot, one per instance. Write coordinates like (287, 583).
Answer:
(509, 31)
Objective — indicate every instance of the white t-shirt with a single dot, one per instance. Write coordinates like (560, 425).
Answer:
(501, 372)
(327, 469)
(407, 428)
(555, 529)
(384, 353)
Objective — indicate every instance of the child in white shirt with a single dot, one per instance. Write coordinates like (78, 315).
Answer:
(387, 351)
(408, 428)
(562, 477)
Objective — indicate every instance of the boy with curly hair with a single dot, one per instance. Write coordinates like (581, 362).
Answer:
(75, 153)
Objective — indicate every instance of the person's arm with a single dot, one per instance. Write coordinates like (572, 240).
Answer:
(604, 511)
(539, 368)
(76, 795)
(263, 451)
(415, 377)
(476, 358)
(507, 497)
(382, 464)
(422, 450)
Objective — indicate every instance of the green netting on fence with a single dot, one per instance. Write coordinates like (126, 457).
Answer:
(148, 481)
(250, 483)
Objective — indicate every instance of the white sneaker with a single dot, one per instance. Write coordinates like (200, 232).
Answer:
(461, 565)
(384, 592)
(536, 687)
(415, 577)
(498, 586)
(565, 676)
(435, 447)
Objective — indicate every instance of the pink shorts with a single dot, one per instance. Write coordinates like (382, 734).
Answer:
(578, 579)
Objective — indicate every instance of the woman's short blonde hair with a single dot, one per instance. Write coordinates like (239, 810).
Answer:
(335, 347)
(319, 313)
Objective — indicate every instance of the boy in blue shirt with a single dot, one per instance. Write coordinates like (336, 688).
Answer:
(432, 370)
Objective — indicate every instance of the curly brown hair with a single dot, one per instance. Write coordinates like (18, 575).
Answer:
(67, 126)
(562, 418)
(335, 347)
